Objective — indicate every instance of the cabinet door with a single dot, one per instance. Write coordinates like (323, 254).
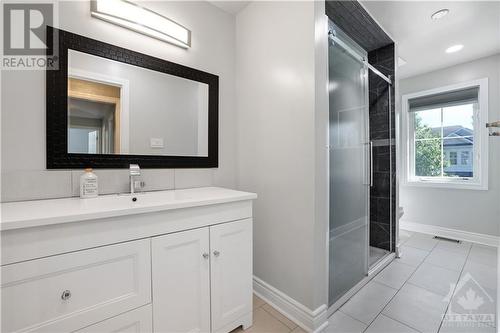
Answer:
(181, 282)
(231, 273)
(135, 321)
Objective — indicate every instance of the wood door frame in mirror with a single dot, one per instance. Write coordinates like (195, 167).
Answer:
(57, 106)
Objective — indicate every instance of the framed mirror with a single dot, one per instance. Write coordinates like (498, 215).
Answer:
(108, 107)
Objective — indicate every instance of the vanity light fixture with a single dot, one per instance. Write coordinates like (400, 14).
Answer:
(454, 48)
(440, 14)
(145, 21)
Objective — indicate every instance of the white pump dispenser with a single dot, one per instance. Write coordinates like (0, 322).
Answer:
(88, 184)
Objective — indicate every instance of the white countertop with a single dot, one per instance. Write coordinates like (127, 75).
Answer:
(24, 214)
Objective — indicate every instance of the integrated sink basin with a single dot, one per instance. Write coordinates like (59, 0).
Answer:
(25, 214)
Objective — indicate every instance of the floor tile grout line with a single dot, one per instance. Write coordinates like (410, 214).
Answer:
(359, 321)
(398, 290)
(385, 285)
(422, 262)
(274, 317)
(263, 303)
(429, 251)
(262, 307)
(426, 250)
(454, 289)
(482, 264)
(372, 280)
(469, 250)
(435, 246)
(380, 312)
(418, 266)
(428, 290)
(451, 270)
(413, 328)
(461, 275)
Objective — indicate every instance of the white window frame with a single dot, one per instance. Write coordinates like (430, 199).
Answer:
(480, 153)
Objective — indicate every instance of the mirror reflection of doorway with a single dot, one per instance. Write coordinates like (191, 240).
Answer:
(93, 117)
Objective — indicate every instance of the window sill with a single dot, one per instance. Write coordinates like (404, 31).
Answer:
(457, 185)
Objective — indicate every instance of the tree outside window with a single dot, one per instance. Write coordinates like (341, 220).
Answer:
(440, 135)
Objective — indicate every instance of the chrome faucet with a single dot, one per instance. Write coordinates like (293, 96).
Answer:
(135, 171)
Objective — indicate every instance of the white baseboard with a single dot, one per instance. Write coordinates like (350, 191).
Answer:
(310, 320)
(450, 233)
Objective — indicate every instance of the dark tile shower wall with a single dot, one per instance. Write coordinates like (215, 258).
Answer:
(355, 21)
(382, 134)
(352, 18)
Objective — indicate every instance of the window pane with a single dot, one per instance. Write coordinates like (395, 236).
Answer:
(458, 140)
(427, 124)
(453, 158)
(465, 158)
(428, 158)
(459, 116)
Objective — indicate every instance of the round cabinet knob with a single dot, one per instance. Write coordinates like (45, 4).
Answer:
(205, 255)
(216, 253)
(66, 295)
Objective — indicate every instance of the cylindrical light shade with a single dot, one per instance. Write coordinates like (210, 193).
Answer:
(131, 16)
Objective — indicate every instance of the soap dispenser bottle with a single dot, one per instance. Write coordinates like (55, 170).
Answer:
(88, 184)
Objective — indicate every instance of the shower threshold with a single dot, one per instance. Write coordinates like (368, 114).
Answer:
(374, 270)
(376, 254)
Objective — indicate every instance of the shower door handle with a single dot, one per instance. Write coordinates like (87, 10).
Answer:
(371, 163)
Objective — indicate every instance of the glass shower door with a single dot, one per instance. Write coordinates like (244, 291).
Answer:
(349, 165)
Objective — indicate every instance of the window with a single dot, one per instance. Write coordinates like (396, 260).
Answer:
(465, 158)
(453, 159)
(446, 140)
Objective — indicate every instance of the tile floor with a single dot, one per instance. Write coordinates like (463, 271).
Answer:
(267, 320)
(411, 295)
(432, 278)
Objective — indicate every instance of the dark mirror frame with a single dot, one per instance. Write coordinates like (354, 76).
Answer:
(57, 106)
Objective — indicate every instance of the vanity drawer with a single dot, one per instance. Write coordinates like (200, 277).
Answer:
(135, 321)
(70, 291)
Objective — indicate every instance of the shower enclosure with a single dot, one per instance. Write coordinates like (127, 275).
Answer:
(360, 165)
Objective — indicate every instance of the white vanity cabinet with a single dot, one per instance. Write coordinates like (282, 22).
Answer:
(69, 291)
(183, 267)
(231, 274)
(135, 321)
(203, 274)
(181, 281)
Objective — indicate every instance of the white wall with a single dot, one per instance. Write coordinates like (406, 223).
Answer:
(466, 210)
(23, 103)
(276, 105)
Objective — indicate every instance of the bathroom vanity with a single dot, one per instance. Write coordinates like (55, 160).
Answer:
(166, 261)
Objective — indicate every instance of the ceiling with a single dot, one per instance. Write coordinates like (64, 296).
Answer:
(422, 42)
(231, 7)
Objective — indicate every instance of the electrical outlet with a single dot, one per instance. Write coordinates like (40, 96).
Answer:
(156, 142)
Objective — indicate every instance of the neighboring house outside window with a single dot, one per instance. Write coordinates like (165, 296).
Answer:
(446, 141)
(458, 142)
